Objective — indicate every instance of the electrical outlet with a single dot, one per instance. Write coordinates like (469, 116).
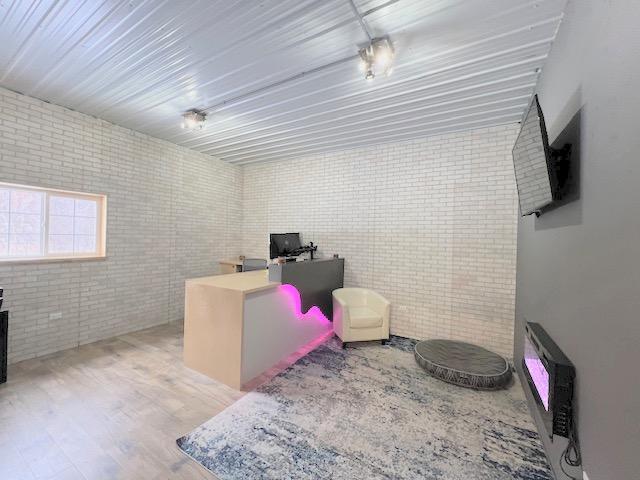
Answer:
(55, 316)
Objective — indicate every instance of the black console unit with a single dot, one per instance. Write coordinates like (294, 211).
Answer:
(550, 375)
(4, 332)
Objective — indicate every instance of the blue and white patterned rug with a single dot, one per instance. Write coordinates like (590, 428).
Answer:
(369, 412)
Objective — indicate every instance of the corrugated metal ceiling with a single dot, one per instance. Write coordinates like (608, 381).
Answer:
(460, 64)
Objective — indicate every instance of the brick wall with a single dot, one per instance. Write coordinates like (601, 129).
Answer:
(172, 213)
(430, 224)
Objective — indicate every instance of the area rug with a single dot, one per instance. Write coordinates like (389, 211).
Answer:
(369, 412)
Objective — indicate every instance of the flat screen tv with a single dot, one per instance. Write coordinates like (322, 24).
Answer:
(536, 165)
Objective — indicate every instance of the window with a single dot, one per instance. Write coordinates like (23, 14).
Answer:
(41, 224)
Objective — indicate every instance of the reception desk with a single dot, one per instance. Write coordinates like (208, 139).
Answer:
(239, 325)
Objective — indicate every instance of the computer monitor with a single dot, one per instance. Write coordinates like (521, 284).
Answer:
(284, 245)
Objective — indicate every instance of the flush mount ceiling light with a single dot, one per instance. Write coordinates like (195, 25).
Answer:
(194, 119)
(377, 58)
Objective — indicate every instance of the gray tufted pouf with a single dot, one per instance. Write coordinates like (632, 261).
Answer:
(463, 364)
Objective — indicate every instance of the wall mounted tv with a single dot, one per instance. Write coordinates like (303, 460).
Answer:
(541, 171)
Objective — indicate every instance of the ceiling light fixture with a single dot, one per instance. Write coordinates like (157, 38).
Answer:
(194, 119)
(377, 58)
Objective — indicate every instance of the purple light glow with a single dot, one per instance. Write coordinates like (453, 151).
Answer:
(538, 373)
(295, 301)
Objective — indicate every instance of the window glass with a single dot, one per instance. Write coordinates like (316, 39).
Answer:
(25, 223)
(72, 225)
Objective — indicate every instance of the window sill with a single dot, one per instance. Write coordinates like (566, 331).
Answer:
(31, 261)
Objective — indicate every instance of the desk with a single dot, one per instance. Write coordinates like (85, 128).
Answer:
(231, 265)
(239, 325)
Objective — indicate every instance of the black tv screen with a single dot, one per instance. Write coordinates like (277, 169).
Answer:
(533, 163)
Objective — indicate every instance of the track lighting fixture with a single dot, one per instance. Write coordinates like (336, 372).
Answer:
(377, 58)
(194, 119)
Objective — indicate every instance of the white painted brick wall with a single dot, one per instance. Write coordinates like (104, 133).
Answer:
(430, 224)
(172, 213)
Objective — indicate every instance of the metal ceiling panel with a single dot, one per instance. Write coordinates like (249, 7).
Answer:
(459, 64)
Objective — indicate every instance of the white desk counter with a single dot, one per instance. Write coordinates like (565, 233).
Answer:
(247, 282)
(239, 325)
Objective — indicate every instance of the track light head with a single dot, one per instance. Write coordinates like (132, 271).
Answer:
(377, 58)
(194, 119)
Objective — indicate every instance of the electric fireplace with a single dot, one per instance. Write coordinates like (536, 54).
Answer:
(4, 341)
(550, 375)
(538, 373)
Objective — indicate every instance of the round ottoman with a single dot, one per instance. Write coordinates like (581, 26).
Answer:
(463, 364)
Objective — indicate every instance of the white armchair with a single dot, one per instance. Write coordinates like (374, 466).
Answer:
(360, 315)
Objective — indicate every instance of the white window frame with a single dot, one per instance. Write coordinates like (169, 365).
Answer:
(101, 226)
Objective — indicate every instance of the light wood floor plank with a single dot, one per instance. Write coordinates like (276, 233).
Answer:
(108, 410)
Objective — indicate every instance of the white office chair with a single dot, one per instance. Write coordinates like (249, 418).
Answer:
(360, 315)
